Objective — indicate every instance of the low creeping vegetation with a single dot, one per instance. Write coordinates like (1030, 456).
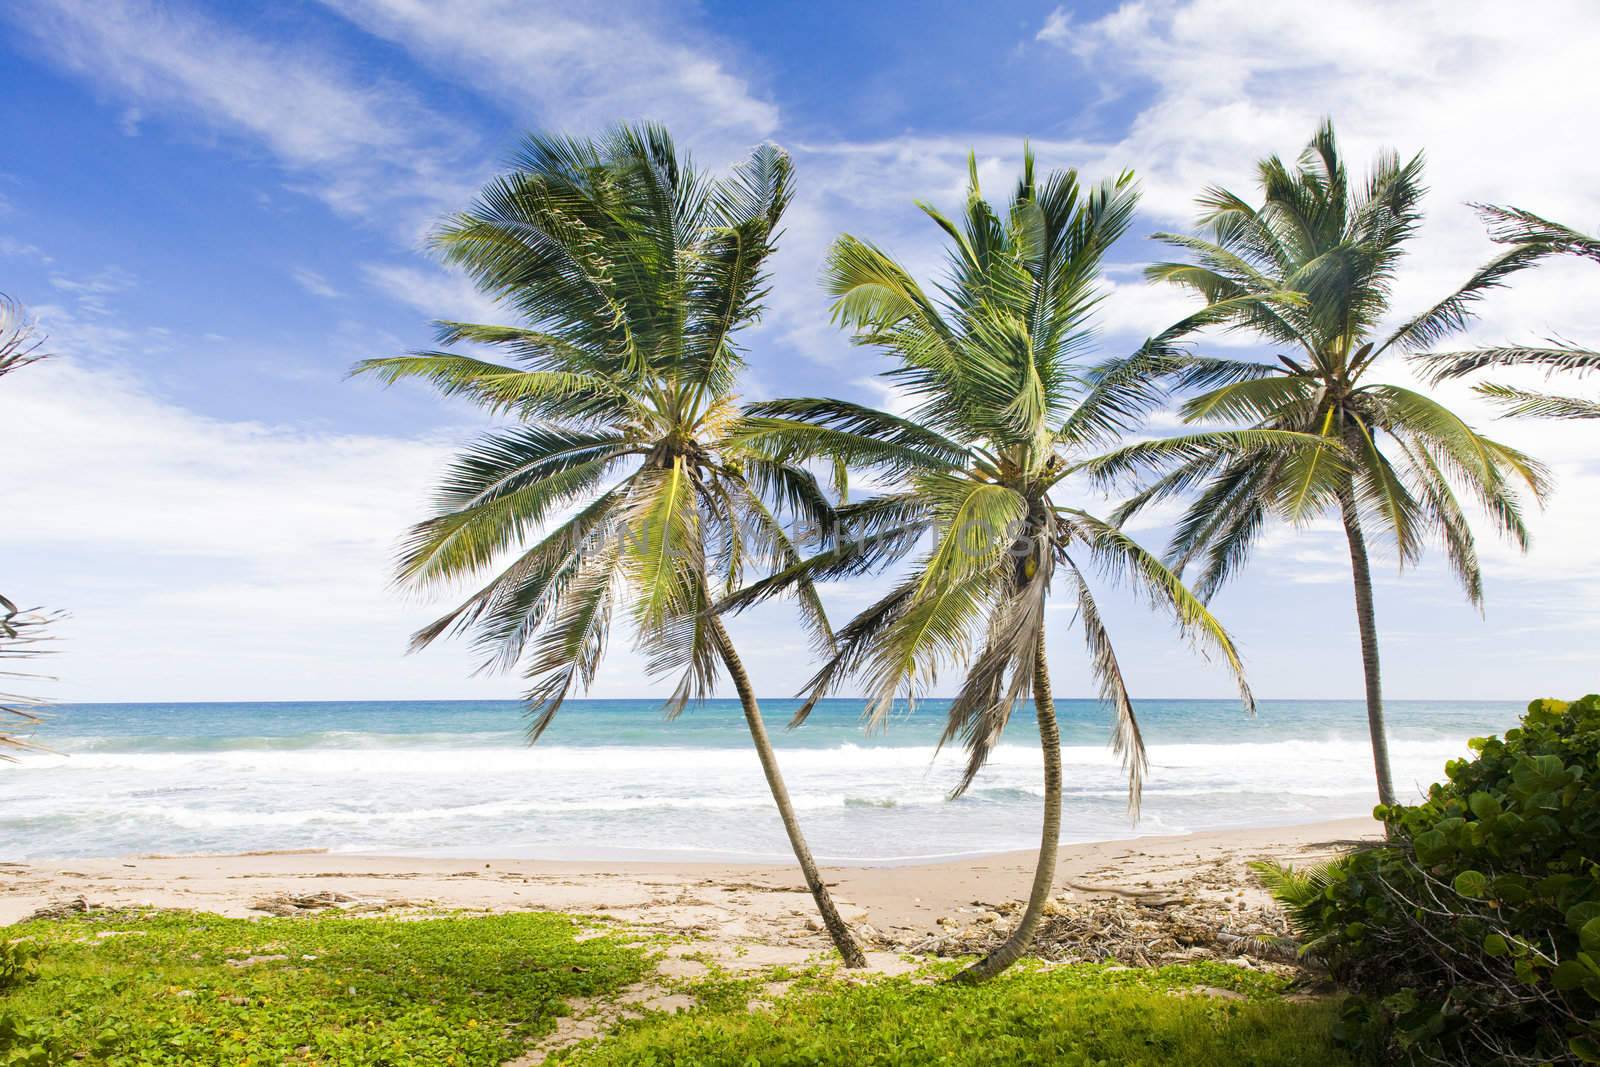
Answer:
(1079, 1014)
(1473, 935)
(186, 988)
(143, 987)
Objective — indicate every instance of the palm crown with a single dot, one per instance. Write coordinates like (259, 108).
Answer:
(1320, 255)
(633, 274)
(1005, 410)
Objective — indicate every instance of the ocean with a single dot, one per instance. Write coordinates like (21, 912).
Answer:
(613, 779)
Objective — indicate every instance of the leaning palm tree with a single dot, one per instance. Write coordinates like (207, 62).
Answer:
(1535, 233)
(632, 273)
(1321, 254)
(1006, 411)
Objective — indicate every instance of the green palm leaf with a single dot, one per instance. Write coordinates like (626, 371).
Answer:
(1527, 404)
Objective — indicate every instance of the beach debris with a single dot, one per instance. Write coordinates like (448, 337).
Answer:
(287, 904)
(1129, 929)
(60, 909)
(291, 904)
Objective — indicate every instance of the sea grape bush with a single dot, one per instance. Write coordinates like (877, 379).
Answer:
(1473, 934)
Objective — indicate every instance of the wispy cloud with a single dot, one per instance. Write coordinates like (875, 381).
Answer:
(10, 246)
(434, 292)
(314, 283)
(563, 62)
(354, 140)
(231, 549)
(92, 290)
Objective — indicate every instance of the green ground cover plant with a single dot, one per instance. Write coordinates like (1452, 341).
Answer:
(129, 988)
(1081, 1014)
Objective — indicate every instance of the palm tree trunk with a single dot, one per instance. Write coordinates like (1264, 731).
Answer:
(843, 940)
(1367, 620)
(1044, 874)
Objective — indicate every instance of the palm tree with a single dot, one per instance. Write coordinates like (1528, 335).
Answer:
(1320, 256)
(1509, 225)
(1005, 412)
(632, 273)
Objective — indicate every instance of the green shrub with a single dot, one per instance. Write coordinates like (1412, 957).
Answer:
(1473, 934)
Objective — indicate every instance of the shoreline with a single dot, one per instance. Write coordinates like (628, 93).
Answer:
(605, 857)
(745, 913)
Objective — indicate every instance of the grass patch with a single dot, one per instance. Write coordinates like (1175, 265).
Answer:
(1085, 1014)
(159, 988)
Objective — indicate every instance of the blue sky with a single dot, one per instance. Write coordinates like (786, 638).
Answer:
(214, 210)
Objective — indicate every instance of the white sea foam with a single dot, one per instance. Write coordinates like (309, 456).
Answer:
(694, 790)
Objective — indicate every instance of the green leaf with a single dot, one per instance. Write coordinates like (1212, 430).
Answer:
(1496, 946)
(1471, 884)
(1586, 1049)
(1589, 935)
(1484, 805)
(1568, 975)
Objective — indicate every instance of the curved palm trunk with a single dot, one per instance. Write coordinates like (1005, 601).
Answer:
(1367, 620)
(1044, 875)
(843, 940)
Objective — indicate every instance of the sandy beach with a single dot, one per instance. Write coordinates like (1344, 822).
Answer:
(743, 914)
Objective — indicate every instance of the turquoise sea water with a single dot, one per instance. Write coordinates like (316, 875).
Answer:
(612, 778)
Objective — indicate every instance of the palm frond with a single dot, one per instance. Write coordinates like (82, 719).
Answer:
(20, 340)
(1509, 225)
(1122, 558)
(1127, 740)
(1002, 674)
(1442, 366)
(1195, 451)
(1455, 312)
(1522, 403)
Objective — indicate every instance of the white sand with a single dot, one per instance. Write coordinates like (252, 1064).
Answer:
(751, 913)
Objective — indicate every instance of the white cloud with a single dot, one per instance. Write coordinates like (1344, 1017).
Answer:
(564, 62)
(90, 291)
(361, 140)
(1057, 28)
(436, 293)
(1489, 99)
(10, 246)
(314, 283)
(205, 558)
